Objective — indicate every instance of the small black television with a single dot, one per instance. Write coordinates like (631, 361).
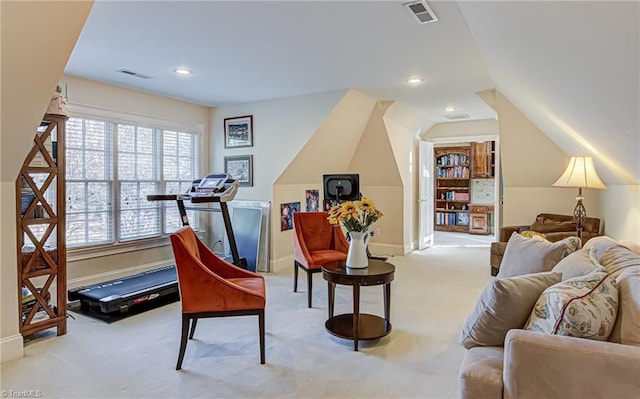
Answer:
(343, 187)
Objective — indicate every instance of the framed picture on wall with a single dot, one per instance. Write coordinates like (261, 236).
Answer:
(238, 131)
(240, 167)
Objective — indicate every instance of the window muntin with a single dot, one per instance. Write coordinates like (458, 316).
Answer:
(112, 167)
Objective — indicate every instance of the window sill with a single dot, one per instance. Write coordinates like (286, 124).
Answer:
(77, 254)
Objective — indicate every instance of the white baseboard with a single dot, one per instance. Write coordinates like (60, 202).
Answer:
(114, 274)
(11, 348)
(386, 249)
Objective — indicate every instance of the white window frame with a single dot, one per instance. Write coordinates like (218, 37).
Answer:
(97, 113)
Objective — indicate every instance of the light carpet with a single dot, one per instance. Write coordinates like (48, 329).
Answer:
(432, 294)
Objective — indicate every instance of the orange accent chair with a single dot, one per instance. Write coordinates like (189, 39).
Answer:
(211, 287)
(315, 243)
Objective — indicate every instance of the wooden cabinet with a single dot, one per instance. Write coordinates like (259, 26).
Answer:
(482, 159)
(480, 219)
(40, 222)
(452, 189)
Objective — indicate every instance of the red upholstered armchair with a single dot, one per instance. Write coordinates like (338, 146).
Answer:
(211, 287)
(315, 243)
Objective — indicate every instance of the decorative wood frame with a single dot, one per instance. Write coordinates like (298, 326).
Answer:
(240, 167)
(42, 267)
(238, 131)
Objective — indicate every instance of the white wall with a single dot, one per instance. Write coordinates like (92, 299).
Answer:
(281, 127)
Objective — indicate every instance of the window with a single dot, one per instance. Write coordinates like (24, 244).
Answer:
(112, 167)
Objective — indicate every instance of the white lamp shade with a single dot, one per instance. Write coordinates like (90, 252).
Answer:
(580, 173)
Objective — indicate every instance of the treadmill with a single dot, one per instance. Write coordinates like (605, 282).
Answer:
(119, 295)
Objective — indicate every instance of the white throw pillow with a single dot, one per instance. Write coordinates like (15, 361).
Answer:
(576, 264)
(598, 245)
(524, 255)
(504, 304)
(584, 307)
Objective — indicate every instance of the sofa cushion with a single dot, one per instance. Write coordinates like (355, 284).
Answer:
(600, 245)
(635, 247)
(627, 328)
(584, 307)
(481, 373)
(624, 265)
(505, 303)
(525, 255)
(619, 258)
(576, 264)
(552, 226)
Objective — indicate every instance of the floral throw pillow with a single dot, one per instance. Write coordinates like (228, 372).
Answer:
(584, 307)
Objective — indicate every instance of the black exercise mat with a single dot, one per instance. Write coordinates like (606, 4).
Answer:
(117, 316)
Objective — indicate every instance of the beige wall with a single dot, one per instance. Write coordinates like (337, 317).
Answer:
(33, 60)
(380, 180)
(546, 200)
(530, 164)
(352, 139)
(620, 209)
(404, 126)
(459, 129)
(106, 97)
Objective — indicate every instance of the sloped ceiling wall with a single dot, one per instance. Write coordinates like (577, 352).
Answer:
(37, 39)
(331, 148)
(575, 74)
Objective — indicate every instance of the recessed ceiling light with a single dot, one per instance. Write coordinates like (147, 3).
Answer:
(415, 80)
(450, 109)
(182, 71)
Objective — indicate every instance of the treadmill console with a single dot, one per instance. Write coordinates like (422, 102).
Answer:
(216, 187)
(211, 184)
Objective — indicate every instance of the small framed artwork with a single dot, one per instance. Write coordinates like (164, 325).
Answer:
(286, 215)
(238, 131)
(240, 167)
(313, 200)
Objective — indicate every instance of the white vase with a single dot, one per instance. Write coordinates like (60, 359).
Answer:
(357, 255)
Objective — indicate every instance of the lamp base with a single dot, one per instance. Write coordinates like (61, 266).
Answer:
(579, 214)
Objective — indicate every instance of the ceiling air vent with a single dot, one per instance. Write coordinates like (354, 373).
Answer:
(454, 117)
(131, 73)
(422, 11)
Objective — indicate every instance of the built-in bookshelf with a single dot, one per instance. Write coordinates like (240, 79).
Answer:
(452, 188)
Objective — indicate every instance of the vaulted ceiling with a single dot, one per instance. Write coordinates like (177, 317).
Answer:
(571, 67)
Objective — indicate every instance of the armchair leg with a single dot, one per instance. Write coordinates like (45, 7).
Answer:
(295, 277)
(261, 328)
(193, 328)
(183, 340)
(309, 287)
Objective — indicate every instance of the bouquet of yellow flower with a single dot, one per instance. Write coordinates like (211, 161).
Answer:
(355, 215)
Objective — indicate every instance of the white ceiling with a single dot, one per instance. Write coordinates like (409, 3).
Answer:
(249, 51)
(571, 67)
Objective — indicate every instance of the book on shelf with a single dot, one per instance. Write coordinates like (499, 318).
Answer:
(453, 159)
(461, 196)
(458, 172)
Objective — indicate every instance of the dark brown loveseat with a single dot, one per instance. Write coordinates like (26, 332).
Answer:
(555, 227)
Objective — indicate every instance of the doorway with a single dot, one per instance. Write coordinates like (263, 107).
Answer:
(465, 174)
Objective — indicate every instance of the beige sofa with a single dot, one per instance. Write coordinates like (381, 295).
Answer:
(538, 365)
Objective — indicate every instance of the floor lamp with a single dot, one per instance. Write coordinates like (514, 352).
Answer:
(580, 173)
